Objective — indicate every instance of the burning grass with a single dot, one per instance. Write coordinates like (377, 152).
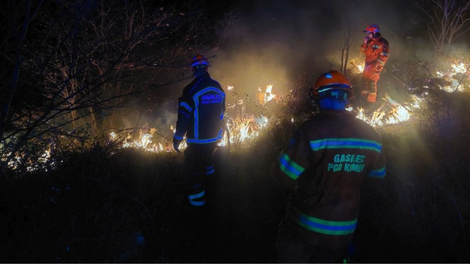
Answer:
(247, 116)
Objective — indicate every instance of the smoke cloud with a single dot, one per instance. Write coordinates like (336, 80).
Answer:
(276, 41)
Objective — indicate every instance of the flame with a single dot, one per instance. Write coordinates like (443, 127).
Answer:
(357, 65)
(461, 68)
(262, 121)
(396, 113)
(240, 129)
(245, 128)
(144, 141)
(399, 114)
(268, 95)
(360, 68)
(453, 78)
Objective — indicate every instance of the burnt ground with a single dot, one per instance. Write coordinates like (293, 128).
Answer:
(130, 206)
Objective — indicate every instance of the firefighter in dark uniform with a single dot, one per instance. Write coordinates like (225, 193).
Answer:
(377, 50)
(326, 161)
(200, 117)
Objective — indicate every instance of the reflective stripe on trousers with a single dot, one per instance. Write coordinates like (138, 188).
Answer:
(197, 195)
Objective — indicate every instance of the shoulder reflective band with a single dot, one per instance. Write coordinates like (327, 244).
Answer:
(345, 143)
(185, 105)
(380, 173)
(289, 167)
(322, 226)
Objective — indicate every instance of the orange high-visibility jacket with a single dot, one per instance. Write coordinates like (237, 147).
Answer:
(329, 157)
(377, 51)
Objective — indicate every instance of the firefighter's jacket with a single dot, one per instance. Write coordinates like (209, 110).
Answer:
(377, 51)
(329, 157)
(201, 111)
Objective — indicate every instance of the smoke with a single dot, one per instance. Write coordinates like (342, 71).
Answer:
(290, 43)
(276, 41)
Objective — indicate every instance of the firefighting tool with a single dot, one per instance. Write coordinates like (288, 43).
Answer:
(327, 85)
(374, 28)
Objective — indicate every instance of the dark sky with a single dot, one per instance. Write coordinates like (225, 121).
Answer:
(327, 13)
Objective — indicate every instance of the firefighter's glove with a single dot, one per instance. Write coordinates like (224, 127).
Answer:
(176, 144)
(366, 39)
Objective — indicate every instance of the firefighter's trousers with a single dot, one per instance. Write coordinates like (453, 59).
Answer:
(198, 163)
(369, 90)
(293, 247)
(370, 76)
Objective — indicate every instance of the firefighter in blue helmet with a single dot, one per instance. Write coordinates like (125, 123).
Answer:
(200, 117)
(326, 161)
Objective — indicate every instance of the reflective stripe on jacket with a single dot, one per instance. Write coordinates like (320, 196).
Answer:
(329, 157)
(201, 111)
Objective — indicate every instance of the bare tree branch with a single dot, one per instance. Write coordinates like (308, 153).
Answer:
(83, 58)
(449, 19)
